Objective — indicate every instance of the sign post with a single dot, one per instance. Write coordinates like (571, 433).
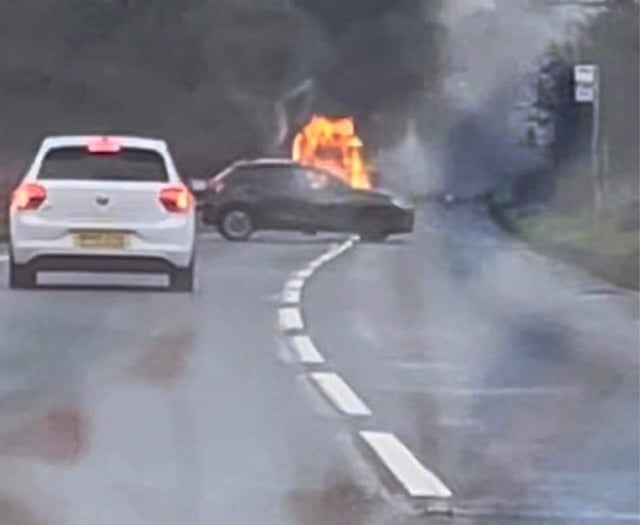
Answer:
(587, 91)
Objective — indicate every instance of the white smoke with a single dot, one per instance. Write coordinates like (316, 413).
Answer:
(492, 41)
(488, 59)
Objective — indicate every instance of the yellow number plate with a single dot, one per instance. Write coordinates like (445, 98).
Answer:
(107, 240)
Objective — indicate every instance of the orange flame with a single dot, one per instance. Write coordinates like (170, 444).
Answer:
(333, 144)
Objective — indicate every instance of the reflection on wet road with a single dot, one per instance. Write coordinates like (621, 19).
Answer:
(501, 369)
(144, 407)
(498, 368)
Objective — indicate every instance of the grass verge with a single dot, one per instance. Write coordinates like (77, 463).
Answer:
(607, 245)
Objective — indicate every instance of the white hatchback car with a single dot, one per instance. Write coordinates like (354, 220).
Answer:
(103, 204)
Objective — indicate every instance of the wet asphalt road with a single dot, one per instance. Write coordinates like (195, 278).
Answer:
(512, 377)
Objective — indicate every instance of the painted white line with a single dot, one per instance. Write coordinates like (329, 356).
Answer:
(291, 296)
(4, 257)
(408, 471)
(340, 394)
(304, 274)
(306, 350)
(327, 257)
(294, 284)
(290, 319)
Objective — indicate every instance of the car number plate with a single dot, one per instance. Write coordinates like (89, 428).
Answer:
(106, 240)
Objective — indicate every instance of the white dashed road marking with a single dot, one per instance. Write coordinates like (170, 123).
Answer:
(304, 274)
(306, 350)
(341, 395)
(295, 284)
(290, 319)
(291, 296)
(416, 481)
(406, 469)
(314, 265)
(4, 257)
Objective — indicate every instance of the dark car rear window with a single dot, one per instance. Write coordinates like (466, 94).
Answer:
(129, 164)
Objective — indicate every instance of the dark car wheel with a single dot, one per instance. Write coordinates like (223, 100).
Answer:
(21, 276)
(235, 224)
(182, 279)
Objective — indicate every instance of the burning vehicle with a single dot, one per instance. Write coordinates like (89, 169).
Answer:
(333, 145)
(281, 194)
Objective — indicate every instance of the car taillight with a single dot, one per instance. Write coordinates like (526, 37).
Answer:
(176, 199)
(28, 196)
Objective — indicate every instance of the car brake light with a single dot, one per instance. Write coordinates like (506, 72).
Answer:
(103, 145)
(28, 196)
(176, 199)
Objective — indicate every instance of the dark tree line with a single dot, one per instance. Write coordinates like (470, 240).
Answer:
(204, 73)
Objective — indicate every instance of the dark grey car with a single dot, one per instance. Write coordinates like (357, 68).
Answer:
(283, 195)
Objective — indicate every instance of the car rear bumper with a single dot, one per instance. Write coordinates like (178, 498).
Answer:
(398, 221)
(172, 241)
(38, 255)
(99, 263)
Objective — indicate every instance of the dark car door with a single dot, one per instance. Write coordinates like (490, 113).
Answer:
(278, 201)
(330, 202)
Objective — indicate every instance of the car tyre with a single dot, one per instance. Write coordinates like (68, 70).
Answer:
(235, 224)
(182, 279)
(21, 276)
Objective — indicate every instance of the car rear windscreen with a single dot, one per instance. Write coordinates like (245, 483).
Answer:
(128, 164)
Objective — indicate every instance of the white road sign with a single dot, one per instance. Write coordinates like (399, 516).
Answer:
(585, 73)
(586, 82)
(585, 93)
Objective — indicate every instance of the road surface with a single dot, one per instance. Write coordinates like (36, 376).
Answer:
(511, 378)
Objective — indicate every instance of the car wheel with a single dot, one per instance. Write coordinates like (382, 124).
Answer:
(235, 224)
(21, 276)
(182, 279)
